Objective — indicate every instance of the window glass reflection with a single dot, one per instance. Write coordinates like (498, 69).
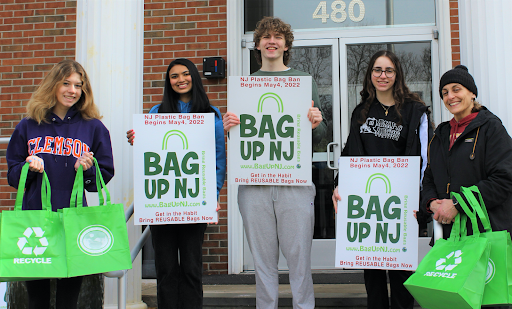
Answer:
(315, 14)
(416, 63)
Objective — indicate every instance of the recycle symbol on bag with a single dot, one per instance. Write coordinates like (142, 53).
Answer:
(36, 232)
(441, 263)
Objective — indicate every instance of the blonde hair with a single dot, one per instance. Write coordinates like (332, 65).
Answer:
(45, 98)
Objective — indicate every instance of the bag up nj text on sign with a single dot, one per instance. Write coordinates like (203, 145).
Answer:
(272, 144)
(174, 168)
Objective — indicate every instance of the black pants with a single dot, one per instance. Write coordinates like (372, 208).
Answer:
(376, 285)
(179, 282)
(67, 293)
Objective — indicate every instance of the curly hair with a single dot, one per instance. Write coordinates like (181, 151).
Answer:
(45, 97)
(275, 25)
(401, 92)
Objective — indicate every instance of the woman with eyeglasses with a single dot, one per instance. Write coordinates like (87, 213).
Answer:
(390, 120)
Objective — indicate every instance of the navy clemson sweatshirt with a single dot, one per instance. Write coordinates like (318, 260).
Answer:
(59, 143)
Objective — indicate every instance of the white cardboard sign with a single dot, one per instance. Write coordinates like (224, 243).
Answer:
(376, 228)
(174, 168)
(272, 144)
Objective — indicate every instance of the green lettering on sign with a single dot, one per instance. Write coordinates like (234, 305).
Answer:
(355, 203)
(151, 166)
(247, 123)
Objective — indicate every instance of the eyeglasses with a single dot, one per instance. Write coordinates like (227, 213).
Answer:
(377, 72)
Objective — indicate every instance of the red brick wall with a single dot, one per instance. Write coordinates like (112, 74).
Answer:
(34, 35)
(193, 30)
(454, 27)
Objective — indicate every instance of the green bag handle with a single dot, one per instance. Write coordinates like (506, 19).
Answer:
(478, 206)
(463, 226)
(46, 195)
(78, 187)
(458, 228)
(455, 233)
(99, 180)
(471, 215)
(79, 179)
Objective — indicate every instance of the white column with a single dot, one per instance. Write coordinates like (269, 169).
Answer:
(445, 57)
(235, 28)
(110, 47)
(485, 44)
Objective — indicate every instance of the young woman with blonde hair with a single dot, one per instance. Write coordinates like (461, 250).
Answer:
(62, 131)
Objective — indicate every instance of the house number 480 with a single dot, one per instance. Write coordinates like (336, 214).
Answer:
(338, 13)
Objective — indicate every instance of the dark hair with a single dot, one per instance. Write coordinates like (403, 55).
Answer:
(401, 92)
(276, 25)
(200, 102)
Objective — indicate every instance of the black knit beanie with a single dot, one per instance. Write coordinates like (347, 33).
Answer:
(459, 75)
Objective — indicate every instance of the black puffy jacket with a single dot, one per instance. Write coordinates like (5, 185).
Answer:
(481, 156)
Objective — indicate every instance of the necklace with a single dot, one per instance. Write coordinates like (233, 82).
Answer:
(385, 107)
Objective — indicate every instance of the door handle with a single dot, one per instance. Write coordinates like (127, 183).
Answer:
(329, 156)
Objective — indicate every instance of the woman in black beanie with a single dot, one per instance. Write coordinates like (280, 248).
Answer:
(473, 148)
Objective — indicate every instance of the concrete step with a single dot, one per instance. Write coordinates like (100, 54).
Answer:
(237, 296)
(341, 289)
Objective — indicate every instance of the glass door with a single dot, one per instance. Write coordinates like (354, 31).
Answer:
(320, 58)
(338, 67)
(418, 61)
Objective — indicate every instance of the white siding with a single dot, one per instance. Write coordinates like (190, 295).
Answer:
(109, 44)
(485, 43)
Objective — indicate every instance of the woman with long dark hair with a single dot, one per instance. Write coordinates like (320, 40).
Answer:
(179, 281)
(390, 120)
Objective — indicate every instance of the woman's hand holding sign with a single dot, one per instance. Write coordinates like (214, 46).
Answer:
(130, 135)
(217, 210)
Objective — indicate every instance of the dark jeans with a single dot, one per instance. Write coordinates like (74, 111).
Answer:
(179, 282)
(67, 293)
(376, 285)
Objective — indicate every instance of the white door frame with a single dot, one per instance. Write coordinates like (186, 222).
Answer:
(237, 52)
(320, 253)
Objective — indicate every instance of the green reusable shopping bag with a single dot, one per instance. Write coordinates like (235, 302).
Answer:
(498, 281)
(32, 243)
(96, 237)
(452, 274)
